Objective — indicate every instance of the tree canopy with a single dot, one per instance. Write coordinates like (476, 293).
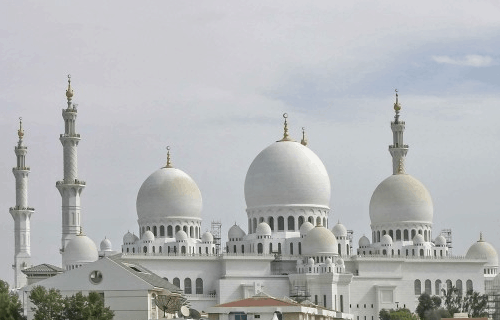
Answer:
(10, 306)
(399, 314)
(51, 305)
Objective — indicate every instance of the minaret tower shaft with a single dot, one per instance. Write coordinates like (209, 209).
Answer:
(21, 213)
(70, 187)
(398, 149)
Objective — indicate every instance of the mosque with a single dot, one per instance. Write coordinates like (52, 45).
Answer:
(289, 248)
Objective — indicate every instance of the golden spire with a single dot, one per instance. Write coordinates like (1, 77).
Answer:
(69, 91)
(20, 132)
(481, 237)
(286, 136)
(169, 163)
(397, 106)
(304, 139)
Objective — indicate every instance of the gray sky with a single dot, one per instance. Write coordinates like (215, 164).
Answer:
(211, 79)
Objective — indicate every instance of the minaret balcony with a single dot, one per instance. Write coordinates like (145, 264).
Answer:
(403, 146)
(21, 169)
(74, 182)
(69, 135)
(19, 208)
(20, 148)
(70, 109)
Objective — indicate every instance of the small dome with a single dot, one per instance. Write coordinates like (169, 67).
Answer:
(263, 229)
(81, 249)
(305, 228)
(386, 240)
(320, 241)
(310, 261)
(207, 237)
(328, 261)
(148, 236)
(363, 242)
(340, 262)
(181, 236)
(235, 232)
(339, 230)
(299, 262)
(129, 238)
(401, 198)
(169, 192)
(440, 241)
(106, 245)
(418, 239)
(286, 173)
(483, 250)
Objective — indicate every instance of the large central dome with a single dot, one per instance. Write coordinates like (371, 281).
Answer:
(169, 192)
(287, 173)
(401, 198)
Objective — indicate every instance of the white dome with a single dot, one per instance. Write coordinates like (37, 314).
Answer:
(386, 240)
(305, 228)
(263, 229)
(401, 198)
(106, 245)
(169, 192)
(339, 230)
(287, 173)
(363, 242)
(235, 232)
(207, 237)
(181, 236)
(418, 239)
(129, 238)
(148, 236)
(81, 249)
(440, 241)
(483, 250)
(340, 262)
(328, 261)
(320, 241)
(310, 261)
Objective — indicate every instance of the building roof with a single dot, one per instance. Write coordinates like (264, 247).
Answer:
(260, 300)
(42, 268)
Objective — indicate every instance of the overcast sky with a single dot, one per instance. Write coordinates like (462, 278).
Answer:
(212, 79)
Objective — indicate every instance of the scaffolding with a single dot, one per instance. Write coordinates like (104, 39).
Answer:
(446, 233)
(216, 231)
(492, 289)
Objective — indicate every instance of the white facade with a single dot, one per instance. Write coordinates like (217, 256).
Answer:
(289, 248)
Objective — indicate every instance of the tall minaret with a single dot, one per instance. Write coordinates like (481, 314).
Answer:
(21, 213)
(398, 149)
(70, 187)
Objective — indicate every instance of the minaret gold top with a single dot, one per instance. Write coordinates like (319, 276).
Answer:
(304, 139)
(286, 136)
(69, 91)
(397, 106)
(20, 132)
(169, 162)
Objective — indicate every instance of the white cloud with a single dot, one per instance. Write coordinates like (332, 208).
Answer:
(471, 60)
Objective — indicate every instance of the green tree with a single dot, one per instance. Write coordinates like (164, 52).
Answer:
(51, 305)
(427, 303)
(437, 314)
(399, 314)
(453, 300)
(475, 304)
(10, 306)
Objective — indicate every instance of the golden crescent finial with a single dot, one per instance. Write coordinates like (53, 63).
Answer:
(286, 136)
(285, 115)
(20, 132)
(69, 91)
(304, 140)
(397, 106)
(169, 162)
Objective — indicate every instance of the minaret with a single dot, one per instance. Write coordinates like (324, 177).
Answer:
(70, 187)
(398, 149)
(21, 213)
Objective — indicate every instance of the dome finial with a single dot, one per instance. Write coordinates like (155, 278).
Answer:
(286, 136)
(481, 237)
(304, 139)
(20, 132)
(397, 106)
(169, 162)
(69, 91)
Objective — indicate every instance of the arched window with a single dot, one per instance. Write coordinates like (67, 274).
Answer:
(468, 286)
(234, 248)
(318, 221)
(281, 224)
(160, 249)
(384, 252)
(242, 248)
(384, 232)
(378, 236)
(191, 232)
(291, 248)
(339, 249)
(301, 221)
(418, 287)
(421, 252)
(428, 287)
(398, 234)
(279, 248)
(261, 219)
(300, 248)
(183, 249)
(162, 231)
(405, 235)
(420, 231)
(459, 287)
(291, 223)
(199, 286)
(270, 248)
(155, 231)
(187, 286)
(170, 232)
(177, 228)
(413, 233)
(311, 220)
(145, 249)
(250, 226)
(133, 250)
(127, 250)
(324, 223)
(177, 282)
(149, 228)
(154, 249)
(437, 287)
(185, 229)
(259, 248)
(449, 284)
(391, 234)
(271, 223)
(347, 250)
(254, 224)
